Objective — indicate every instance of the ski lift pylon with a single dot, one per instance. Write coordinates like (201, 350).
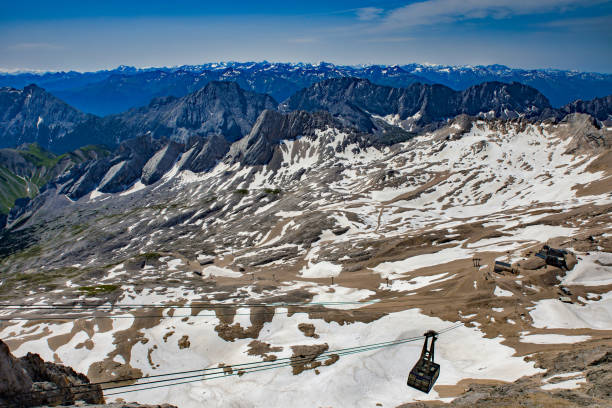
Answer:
(425, 372)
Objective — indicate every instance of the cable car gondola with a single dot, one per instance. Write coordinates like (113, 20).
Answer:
(425, 372)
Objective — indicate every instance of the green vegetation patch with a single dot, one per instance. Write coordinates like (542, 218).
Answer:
(38, 156)
(209, 199)
(12, 187)
(38, 280)
(78, 228)
(272, 190)
(101, 150)
(98, 289)
(27, 184)
(151, 255)
(28, 252)
(241, 191)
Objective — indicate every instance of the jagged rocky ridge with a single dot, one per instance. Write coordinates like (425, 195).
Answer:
(356, 100)
(272, 127)
(599, 108)
(221, 108)
(197, 131)
(147, 159)
(34, 115)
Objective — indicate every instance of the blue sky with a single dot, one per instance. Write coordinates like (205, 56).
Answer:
(90, 35)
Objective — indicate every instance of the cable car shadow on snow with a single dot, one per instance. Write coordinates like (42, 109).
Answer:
(425, 372)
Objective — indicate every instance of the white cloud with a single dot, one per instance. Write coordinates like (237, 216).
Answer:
(399, 39)
(34, 46)
(585, 22)
(430, 12)
(22, 70)
(369, 13)
(302, 40)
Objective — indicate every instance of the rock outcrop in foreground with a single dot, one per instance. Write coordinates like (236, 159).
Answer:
(30, 381)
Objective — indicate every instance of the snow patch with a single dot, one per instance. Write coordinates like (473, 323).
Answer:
(501, 292)
(553, 314)
(218, 271)
(399, 268)
(594, 269)
(552, 338)
(323, 269)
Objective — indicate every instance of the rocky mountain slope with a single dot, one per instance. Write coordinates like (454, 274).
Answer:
(356, 100)
(220, 108)
(203, 125)
(25, 170)
(599, 108)
(33, 115)
(114, 91)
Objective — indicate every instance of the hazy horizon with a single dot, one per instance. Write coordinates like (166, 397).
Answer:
(69, 35)
(175, 66)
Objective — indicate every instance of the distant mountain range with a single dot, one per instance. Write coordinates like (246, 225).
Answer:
(117, 90)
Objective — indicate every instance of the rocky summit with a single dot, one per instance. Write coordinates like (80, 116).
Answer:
(33, 115)
(356, 100)
(223, 248)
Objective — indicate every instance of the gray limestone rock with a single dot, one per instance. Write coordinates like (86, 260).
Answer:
(160, 163)
(204, 154)
(271, 127)
(34, 115)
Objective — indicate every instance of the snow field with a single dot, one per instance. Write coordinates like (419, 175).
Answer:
(74, 353)
(353, 381)
(554, 314)
(400, 268)
(594, 269)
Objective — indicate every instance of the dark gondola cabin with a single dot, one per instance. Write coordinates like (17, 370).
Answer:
(424, 374)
